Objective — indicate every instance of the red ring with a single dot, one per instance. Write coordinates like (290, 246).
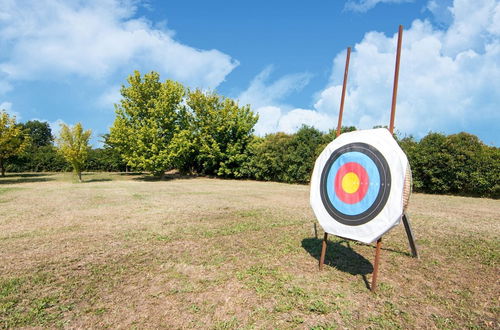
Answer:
(364, 182)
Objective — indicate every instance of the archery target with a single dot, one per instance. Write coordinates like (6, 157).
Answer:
(357, 185)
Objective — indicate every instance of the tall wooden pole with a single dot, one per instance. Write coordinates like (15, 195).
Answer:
(396, 79)
(339, 126)
(346, 72)
(391, 129)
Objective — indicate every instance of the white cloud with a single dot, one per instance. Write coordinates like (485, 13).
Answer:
(109, 97)
(261, 93)
(55, 126)
(266, 100)
(449, 80)
(50, 38)
(294, 119)
(365, 5)
(269, 117)
(7, 106)
(441, 11)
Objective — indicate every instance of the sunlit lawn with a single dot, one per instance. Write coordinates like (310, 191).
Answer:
(124, 251)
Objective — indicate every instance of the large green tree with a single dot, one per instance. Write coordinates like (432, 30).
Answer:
(73, 144)
(221, 131)
(149, 128)
(13, 139)
(39, 132)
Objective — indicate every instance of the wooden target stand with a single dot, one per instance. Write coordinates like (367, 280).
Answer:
(405, 218)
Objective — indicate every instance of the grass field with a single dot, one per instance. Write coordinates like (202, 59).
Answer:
(123, 251)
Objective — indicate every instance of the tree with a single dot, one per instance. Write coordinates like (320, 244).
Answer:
(221, 131)
(39, 132)
(303, 150)
(73, 144)
(40, 154)
(149, 128)
(13, 139)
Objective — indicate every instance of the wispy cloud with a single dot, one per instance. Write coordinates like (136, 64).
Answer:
(7, 107)
(266, 98)
(363, 6)
(263, 92)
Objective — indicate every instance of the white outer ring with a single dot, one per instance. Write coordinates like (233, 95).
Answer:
(392, 212)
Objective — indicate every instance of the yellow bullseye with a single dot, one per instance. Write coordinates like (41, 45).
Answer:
(350, 183)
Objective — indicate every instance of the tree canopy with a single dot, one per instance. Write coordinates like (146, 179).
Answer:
(220, 131)
(13, 139)
(73, 144)
(149, 128)
(161, 126)
(39, 132)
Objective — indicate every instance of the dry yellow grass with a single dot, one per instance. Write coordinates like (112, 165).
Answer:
(119, 251)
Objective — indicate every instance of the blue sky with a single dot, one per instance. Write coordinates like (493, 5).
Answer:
(64, 61)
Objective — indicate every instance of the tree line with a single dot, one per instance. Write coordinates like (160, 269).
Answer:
(160, 126)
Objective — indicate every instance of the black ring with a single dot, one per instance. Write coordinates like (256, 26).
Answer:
(384, 184)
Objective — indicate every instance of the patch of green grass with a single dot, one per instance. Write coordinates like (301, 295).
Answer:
(231, 323)
(486, 252)
(264, 280)
(4, 190)
(253, 213)
(243, 227)
(329, 326)
(40, 233)
(319, 307)
(139, 196)
(97, 311)
(391, 317)
(20, 305)
(442, 322)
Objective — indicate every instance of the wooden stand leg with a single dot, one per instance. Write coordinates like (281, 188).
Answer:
(409, 233)
(323, 252)
(375, 264)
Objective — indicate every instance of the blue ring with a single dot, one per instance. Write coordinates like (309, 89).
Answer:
(381, 187)
(373, 179)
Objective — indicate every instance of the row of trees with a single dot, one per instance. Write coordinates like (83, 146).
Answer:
(162, 125)
(31, 145)
(441, 164)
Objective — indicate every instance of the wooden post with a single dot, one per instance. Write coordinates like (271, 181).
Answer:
(396, 79)
(375, 264)
(391, 129)
(342, 98)
(323, 251)
(339, 126)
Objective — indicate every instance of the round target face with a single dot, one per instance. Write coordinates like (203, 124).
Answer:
(355, 183)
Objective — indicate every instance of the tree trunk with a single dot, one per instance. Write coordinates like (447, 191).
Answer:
(80, 176)
(2, 167)
(162, 175)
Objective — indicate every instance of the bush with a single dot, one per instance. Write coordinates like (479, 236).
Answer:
(455, 164)
(283, 157)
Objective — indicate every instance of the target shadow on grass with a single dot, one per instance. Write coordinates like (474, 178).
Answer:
(341, 256)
